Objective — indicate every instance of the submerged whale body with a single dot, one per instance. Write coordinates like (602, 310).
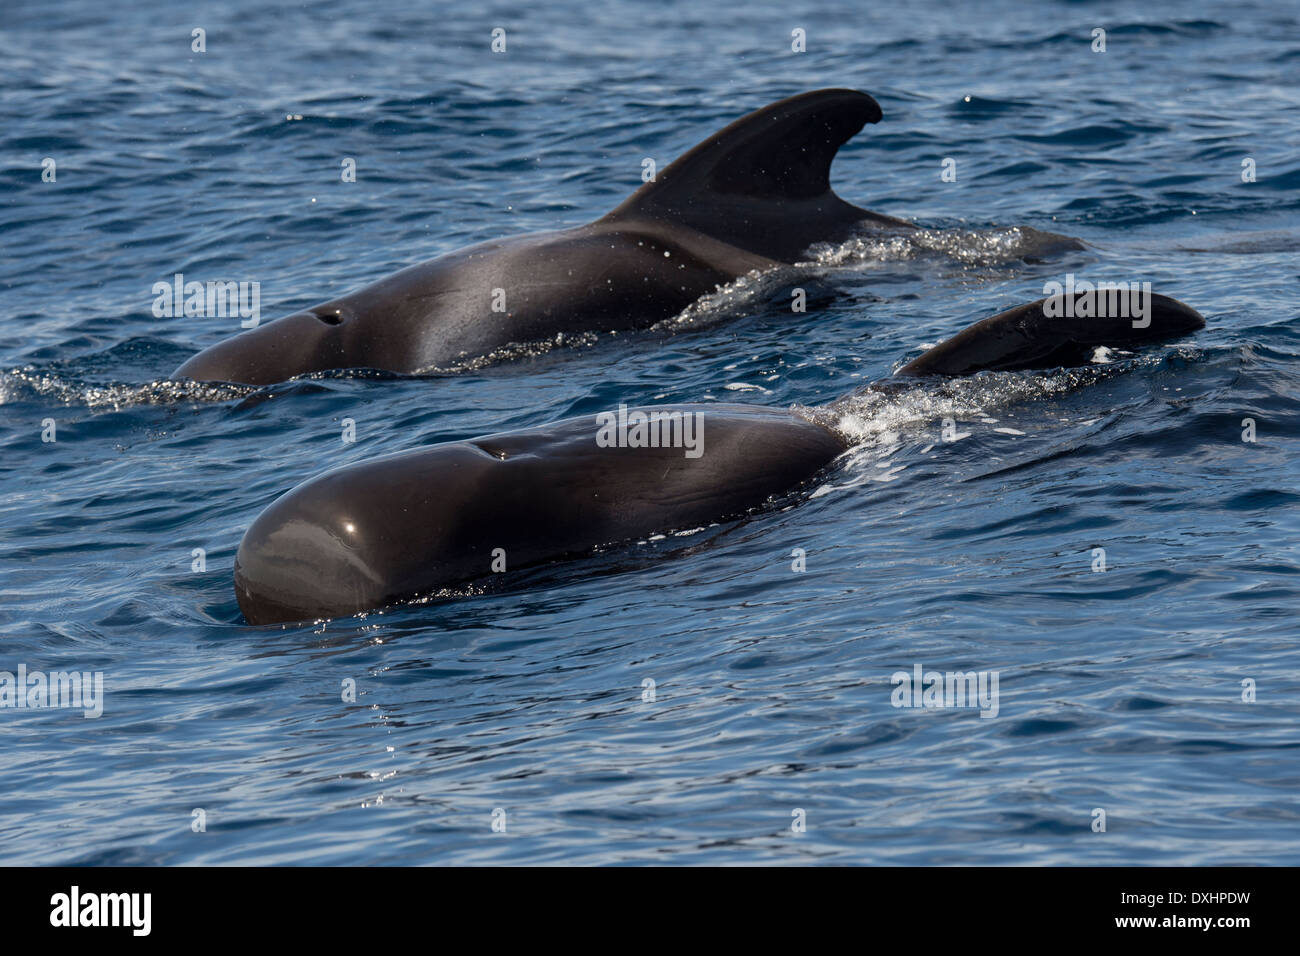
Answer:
(380, 531)
(751, 197)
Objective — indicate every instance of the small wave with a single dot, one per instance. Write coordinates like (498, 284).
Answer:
(513, 351)
(881, 414)
(882, 420)
(969, 247)
(729, 300)
(26, 383)
(30, 382)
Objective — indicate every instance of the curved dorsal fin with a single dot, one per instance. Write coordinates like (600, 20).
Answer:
(763, 183)
(1044, 334)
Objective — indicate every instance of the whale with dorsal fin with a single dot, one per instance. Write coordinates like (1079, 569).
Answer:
(751, 197)
(379, 531)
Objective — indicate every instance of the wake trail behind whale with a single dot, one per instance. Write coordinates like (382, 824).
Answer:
(965, 249)
(886, 420)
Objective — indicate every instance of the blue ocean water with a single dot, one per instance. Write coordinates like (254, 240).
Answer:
(1120, 690)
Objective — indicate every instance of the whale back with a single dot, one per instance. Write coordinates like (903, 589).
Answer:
(406, 524)
(763, 183)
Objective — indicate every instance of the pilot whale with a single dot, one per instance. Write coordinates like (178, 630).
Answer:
(406, 524)
(753, 196)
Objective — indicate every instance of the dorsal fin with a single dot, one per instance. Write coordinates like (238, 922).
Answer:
(1043, 334)
(763, 183)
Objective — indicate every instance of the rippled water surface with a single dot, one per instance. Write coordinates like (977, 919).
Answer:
(1119, 690)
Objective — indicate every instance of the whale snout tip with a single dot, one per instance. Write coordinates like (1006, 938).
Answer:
(240, 360)
(307, 557)
(272, 352)
(267, 588)
(255, 603)
(201, 368)
(275, 586)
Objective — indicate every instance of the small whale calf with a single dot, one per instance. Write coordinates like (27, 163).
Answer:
(381, 531)
(753, 196)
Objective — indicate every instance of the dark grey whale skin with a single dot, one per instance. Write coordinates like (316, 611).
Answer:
(380, 531)
(363, 536)
(752, 196)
